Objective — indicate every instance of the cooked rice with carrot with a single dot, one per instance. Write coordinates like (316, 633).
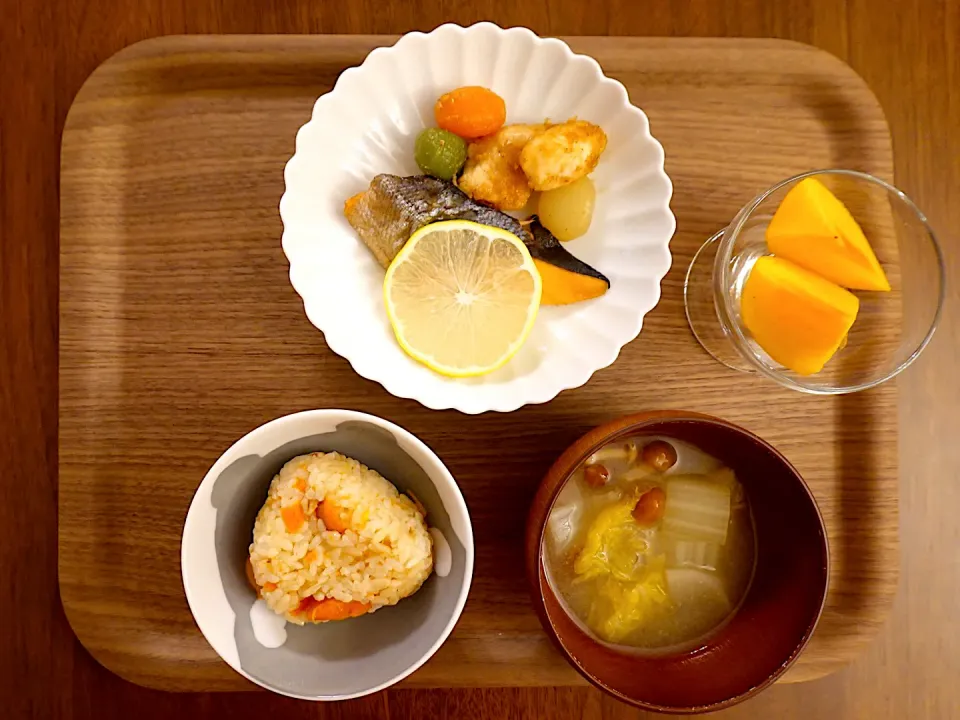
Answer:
(336, 540)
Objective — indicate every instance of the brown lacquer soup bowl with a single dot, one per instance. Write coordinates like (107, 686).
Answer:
(778, 611)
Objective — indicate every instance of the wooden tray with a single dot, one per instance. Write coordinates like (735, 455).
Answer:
(179, 333)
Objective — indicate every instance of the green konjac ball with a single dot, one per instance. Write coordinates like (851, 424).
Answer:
(440, 153)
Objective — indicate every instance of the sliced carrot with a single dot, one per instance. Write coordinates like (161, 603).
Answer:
(334, 517)
(309, 557)
(301, 485)
(331, 609)
(304, 606)
(269, 586)
(293, 517)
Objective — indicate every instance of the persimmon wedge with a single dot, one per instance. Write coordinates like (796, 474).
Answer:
(799, 318)
(813, 229)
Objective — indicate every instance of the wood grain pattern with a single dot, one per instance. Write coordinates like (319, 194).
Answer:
(179, 332)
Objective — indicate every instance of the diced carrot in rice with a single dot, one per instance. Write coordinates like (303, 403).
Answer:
(293, 517)
(334, 517)
(310, 557)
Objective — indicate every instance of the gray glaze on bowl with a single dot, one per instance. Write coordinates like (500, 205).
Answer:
(347, 657)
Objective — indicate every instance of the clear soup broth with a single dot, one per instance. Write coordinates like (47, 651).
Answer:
(650, 544)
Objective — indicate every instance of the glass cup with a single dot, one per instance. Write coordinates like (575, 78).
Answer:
(891, 329)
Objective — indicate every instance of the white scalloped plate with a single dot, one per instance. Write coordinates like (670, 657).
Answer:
(367, 125)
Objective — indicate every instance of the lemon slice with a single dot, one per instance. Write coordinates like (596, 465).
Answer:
(462, 297)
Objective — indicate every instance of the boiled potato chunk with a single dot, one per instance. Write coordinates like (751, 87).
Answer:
(568, 210)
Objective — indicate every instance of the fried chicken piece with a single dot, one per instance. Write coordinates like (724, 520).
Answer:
(562, 153)
(492, 173)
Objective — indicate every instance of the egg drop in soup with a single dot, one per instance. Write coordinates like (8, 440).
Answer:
(650, 544)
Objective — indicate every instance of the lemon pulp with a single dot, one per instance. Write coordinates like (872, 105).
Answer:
(462, 297)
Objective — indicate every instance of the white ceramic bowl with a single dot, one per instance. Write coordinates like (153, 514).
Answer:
(331, 661)
(367, 125)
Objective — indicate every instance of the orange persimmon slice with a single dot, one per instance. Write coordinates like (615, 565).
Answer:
(799, 318)
(813, 229)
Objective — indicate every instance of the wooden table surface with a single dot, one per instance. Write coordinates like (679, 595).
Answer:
(909, 56)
